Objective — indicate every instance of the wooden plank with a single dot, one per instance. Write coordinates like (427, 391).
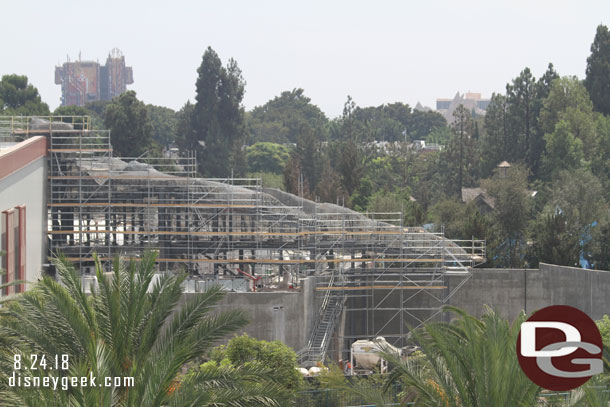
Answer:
(145, 205)
(179, 233)
(258, 261)
(383, 287)
(78, 150)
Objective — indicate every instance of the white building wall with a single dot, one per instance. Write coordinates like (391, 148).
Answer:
(27, 186)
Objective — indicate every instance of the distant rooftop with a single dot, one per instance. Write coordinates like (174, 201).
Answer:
(470, 100)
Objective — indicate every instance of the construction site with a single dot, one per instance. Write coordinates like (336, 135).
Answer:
(370, 276)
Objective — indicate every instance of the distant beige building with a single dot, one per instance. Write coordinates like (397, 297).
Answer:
(471, 101)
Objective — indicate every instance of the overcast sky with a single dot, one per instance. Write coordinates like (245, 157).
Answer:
(376, 51)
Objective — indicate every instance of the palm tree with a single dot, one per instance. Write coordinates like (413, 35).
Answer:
(467, 363)
(596, 393)
(131, 326)
(6, 285)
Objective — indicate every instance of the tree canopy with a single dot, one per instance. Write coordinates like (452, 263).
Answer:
(275, 356)
(163, 124)
(597, 80)
(387, 122)
(218, 124)
(513, 132)
(130, 131)
(267, 157)
(20, 98)
(285, 118)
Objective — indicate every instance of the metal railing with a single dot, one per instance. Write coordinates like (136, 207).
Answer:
(319, 340)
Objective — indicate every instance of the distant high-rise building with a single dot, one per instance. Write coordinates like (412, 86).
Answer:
(87, 81)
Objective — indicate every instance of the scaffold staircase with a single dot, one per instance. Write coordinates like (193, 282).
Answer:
(326, 322)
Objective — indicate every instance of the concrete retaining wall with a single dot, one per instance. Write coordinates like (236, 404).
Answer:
(287, 316)
(508, 291)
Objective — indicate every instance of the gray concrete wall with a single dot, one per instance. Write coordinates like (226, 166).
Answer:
(508, 291)
(287, 316)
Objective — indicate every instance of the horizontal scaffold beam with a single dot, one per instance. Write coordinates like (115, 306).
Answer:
(79, 150)
(194, 233)
(383, 287)
(268, 261)
(147, 205)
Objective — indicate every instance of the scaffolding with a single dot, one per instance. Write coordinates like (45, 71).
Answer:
(374, 276)
(389, 279)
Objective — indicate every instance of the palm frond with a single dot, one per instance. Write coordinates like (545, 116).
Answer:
(464, 363)
(130, 326)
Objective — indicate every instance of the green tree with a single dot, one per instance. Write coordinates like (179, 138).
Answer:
(98, 106)
(267, 157)
(600, 250)
(563, 151)
(575, 203)
(305, 163)
(96, 122)
(511, 210)
(218, 118)
(20, 98)
(554, 242)
(569, 101)
(163, 123)
(425, 179)
(285, 118)
(274, 356)
(448, 214)
(604, 329)
(388, 122)
(521, 96)
(496, 143)
(460, 155)
(185, 133)
(465, 363)
(350, 166)
(597, 80)
(600, 162)
(397, 201)
(348, 123)
(459, 220)
(439, 135)
(421, 124)
(329, 188)
(579, 195)
(127, 120)
(537, 145)
(71, 111)
(128, 327)
(381, 172)
(512, 126)
(293, 178)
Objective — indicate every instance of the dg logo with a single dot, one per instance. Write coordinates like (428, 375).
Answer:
(560, 348)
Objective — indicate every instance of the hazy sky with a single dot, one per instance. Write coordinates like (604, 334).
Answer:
(376, 51)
